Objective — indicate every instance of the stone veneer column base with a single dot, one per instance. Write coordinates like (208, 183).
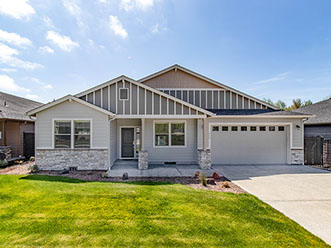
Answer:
(297, 156)
(143, 160)
(204, 159)
(6, 150)
(83, 159)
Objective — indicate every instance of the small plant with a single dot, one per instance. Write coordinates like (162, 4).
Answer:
(197, 174)
(216, 176)
(203, 179)
(34, 168)
(225, 184)
(32, 159)
(104, 175)
(3, 163)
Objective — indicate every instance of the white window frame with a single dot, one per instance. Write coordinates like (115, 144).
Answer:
(169, 133)
(72, 138)
(127, 95)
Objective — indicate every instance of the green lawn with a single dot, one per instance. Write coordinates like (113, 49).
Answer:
(58, 211)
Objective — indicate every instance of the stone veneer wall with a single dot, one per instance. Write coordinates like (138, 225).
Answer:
(83, 159)
(204, 159)
(327, 153)
(6, 150)
(297, 156)
(143, 160)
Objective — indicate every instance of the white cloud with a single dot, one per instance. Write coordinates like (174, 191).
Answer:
(32, 97)
(37, 81)
(16, 8)
(7, 56)
(155, 28)
(128, 5)
(278, 77)
(14, 39)
(63, 42)
(8, 84)
(91, 42)
(45, 50)
(75, 10)
(48, 22)
(117, 27)
(8, 70)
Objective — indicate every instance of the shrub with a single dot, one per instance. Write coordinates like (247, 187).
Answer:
(216, 176)
(104, 175)
(3, 163)
(34, 168)
(225, 184)
(197, 174)
(204, 179)
(32, 159)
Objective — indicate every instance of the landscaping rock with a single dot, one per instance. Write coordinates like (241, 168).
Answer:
(125, 176)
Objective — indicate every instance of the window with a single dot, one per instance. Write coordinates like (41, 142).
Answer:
(243, 128)
(234, 129)
(124, 94)
(215, 128)
(253, 128)
(162, 134)
(263, 128)
(177, 134)
(281, 128)
(224, 129)
(82, 134)
(68, 132)
(170, 134)
(272, 128)
(62, 134)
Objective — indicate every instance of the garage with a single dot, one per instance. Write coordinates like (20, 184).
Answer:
(248, 144)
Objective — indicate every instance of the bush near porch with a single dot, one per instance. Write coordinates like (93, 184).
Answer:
(50, 211)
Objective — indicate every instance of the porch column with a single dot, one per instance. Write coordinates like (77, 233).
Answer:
(204, 153)
(142, 155)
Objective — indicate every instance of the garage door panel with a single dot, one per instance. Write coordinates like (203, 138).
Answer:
(248, 147)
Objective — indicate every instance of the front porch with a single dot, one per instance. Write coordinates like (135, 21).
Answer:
(155, 170)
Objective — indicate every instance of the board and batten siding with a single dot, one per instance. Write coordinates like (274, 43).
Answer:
(214, 98)
(71, 110)
(141, 101)
(185, 155)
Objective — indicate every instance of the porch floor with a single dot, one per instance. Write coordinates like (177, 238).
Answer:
(156, 170)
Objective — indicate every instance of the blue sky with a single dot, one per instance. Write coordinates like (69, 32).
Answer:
(269, 49)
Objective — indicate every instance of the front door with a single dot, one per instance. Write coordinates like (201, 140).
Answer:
(127, 142)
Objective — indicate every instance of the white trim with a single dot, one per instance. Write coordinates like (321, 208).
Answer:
(72, 134)
(205, 79)
(75, 149)
(169, 133)
(259, 116)
(68, 98)
(194, 116)
(134, 141)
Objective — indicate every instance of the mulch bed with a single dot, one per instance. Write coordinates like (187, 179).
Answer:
(214, 185)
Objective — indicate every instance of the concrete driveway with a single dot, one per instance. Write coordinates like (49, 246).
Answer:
(300, 192)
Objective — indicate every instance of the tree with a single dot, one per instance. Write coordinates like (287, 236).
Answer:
(280, 104)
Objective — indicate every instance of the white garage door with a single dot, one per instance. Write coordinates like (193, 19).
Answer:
(249, 144)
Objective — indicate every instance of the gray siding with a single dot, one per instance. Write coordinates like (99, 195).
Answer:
(71, 110)
(143, 101)
(186, 154)
(318, 130)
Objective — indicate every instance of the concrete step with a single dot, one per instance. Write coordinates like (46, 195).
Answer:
(126, 162)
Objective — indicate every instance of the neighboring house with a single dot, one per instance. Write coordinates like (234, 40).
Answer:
(172, 116)
(320, 124)
(16, 127)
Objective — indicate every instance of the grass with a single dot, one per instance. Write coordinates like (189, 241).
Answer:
(58, 211)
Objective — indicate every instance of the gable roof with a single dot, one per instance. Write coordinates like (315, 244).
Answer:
(123, 77)
(221, 85)
(68, 98)
(15, 107)
(321, 110)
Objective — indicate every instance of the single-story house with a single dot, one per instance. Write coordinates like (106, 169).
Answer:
(172, 116)
(16, 127)
(320, 124)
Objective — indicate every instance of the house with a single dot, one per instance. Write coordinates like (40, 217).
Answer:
(172, 116)
(16, 127)
(320, 124)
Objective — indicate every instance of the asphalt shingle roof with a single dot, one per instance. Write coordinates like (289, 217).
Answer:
(321, 110)
(15, 108)
(266, 112)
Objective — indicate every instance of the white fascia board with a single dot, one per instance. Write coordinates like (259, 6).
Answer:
(260, 116)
